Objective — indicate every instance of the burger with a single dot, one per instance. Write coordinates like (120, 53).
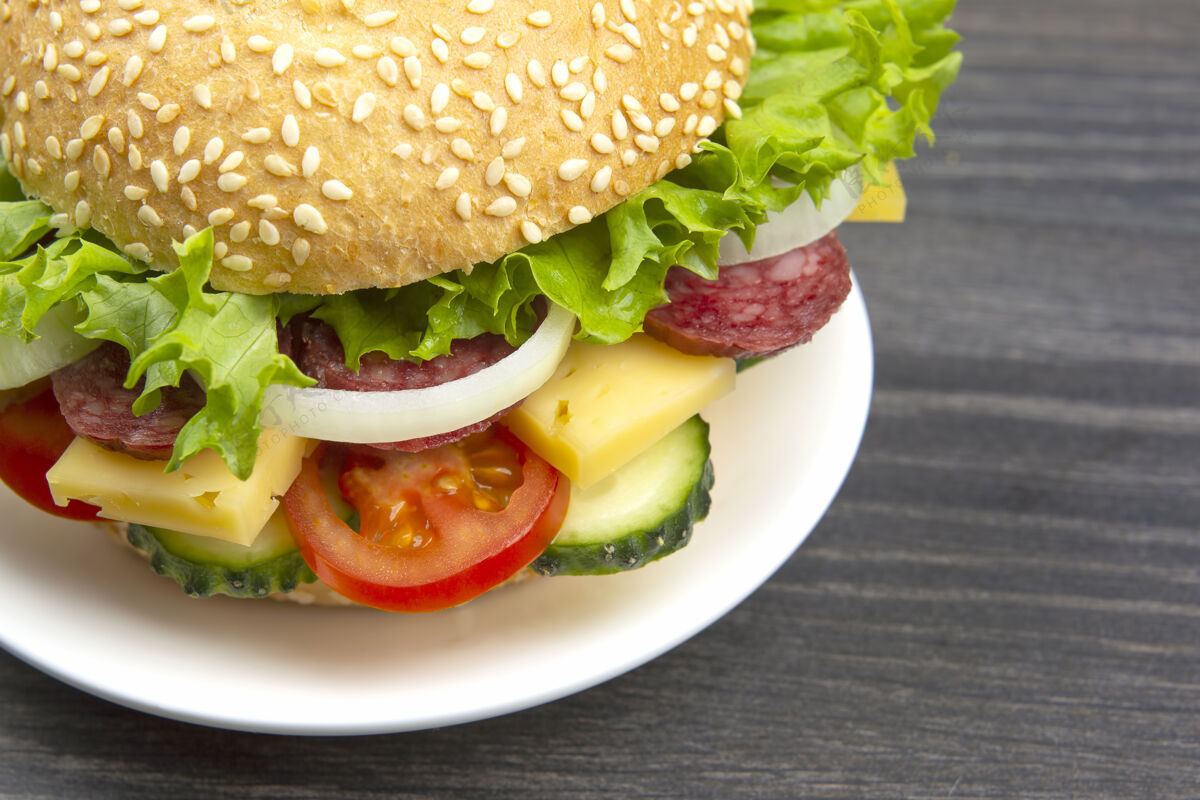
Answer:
(360, 302)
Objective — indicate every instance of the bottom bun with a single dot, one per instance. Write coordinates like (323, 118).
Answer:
(308, 594)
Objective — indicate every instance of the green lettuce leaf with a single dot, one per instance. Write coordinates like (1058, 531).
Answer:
(833, 85)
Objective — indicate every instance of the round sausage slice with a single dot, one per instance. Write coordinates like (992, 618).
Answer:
(756, 309)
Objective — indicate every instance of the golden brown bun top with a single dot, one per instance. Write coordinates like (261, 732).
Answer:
(340, 144)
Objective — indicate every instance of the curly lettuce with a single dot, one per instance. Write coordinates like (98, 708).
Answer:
(833, 85)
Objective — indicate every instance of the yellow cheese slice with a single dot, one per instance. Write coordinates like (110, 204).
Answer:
(202, 497)
(882, 203)
(606, 404)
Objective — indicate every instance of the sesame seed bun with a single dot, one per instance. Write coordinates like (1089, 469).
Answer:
(336, 145)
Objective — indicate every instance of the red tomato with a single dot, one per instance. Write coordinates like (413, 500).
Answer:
(437, 527)
(33, 435)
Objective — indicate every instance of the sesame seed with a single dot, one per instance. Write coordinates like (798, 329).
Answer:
(620, 127)
(282, 58)
(601, 179)
(290, 131)
(536, 73)
(74, 49)
(220, 217)
(629, 157)
(631, 34)
(641, 122)
(495, 171)
(41, 90)
(738, 67)
(388, 70)
(707, 126)
(300, 250)
(379, 18)
(696, 9)
(189, 171)
(159, 175)
(148, 216)
(365, 51)
(168, 113)
(50, 58)
(501, 207)
(540, 19)
(531, 232)
(157, 39)
(22, 101)
(440, 50)
(302, 94)
(668, 102)
(732, 108)
(61, 221)
(213, 150)
(708, 99)
(512, 85)
(414, 117)
(482, 101)
(258, 44)
(598, 15)
(129, 5)
(628, 10)
(278, 166)
(237, 263)
(402, 150)
(189, 198)
(139, 251)
(513, 148)
(5, 147)
(181, 140)
(577, 64)
(19, 136)
(268, 233)
(572, 168)
(412, 70)
(498, 121)
(507, 39)
(311, 162)
(70, 72)
(578, 215)
(92, 31)
(277, 280)
(602, 144)
(736, 30)
(664, 126)
(240, 232)
(309, 219)
(631, 103)
(136, 193)
(71, 180)
(689, 36)
(462, 206)
(472, 35)
(447, 124)
(447, 179)
(688, 91)
(518, 184)
(89, 6)
(133, 69)
(712, 80)
(54, 148)
(588, 106)
(478, 60)
(220, 250)
(480, 6)
(682, 160)
(263, 202)
(620, 53)
(402, 46)
(599, 80)
(135, 157)
(329, 58)
(646, 142)
(231, 182)
(83, 214)
(622, 188)
(363, 106)
(716, 53)
(120, 27)
(257, 136)
(573, 91)
(199, 23)
(461, 88)
(91, 127)
(560, 73)
(336, 190)
(666, 30)
(572, 120)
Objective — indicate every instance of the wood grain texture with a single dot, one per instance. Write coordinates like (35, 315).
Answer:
(1004, 601)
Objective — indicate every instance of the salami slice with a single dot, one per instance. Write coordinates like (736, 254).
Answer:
(319, 354)
(93, 399)
(756, 309)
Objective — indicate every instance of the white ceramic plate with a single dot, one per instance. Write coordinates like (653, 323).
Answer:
(90, 614)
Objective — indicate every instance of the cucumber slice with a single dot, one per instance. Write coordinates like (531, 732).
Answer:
(643, 512)
(204, 566)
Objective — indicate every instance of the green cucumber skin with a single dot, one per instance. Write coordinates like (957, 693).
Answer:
(278, 573)
(637, 548)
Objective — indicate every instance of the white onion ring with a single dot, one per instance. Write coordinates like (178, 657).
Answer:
(336, 415)
(800, 224)
(57, 346)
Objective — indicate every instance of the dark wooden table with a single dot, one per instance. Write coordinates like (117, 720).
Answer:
(1005, 599)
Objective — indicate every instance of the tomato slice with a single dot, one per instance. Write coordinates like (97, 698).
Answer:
(438, 527)
(33, 435)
